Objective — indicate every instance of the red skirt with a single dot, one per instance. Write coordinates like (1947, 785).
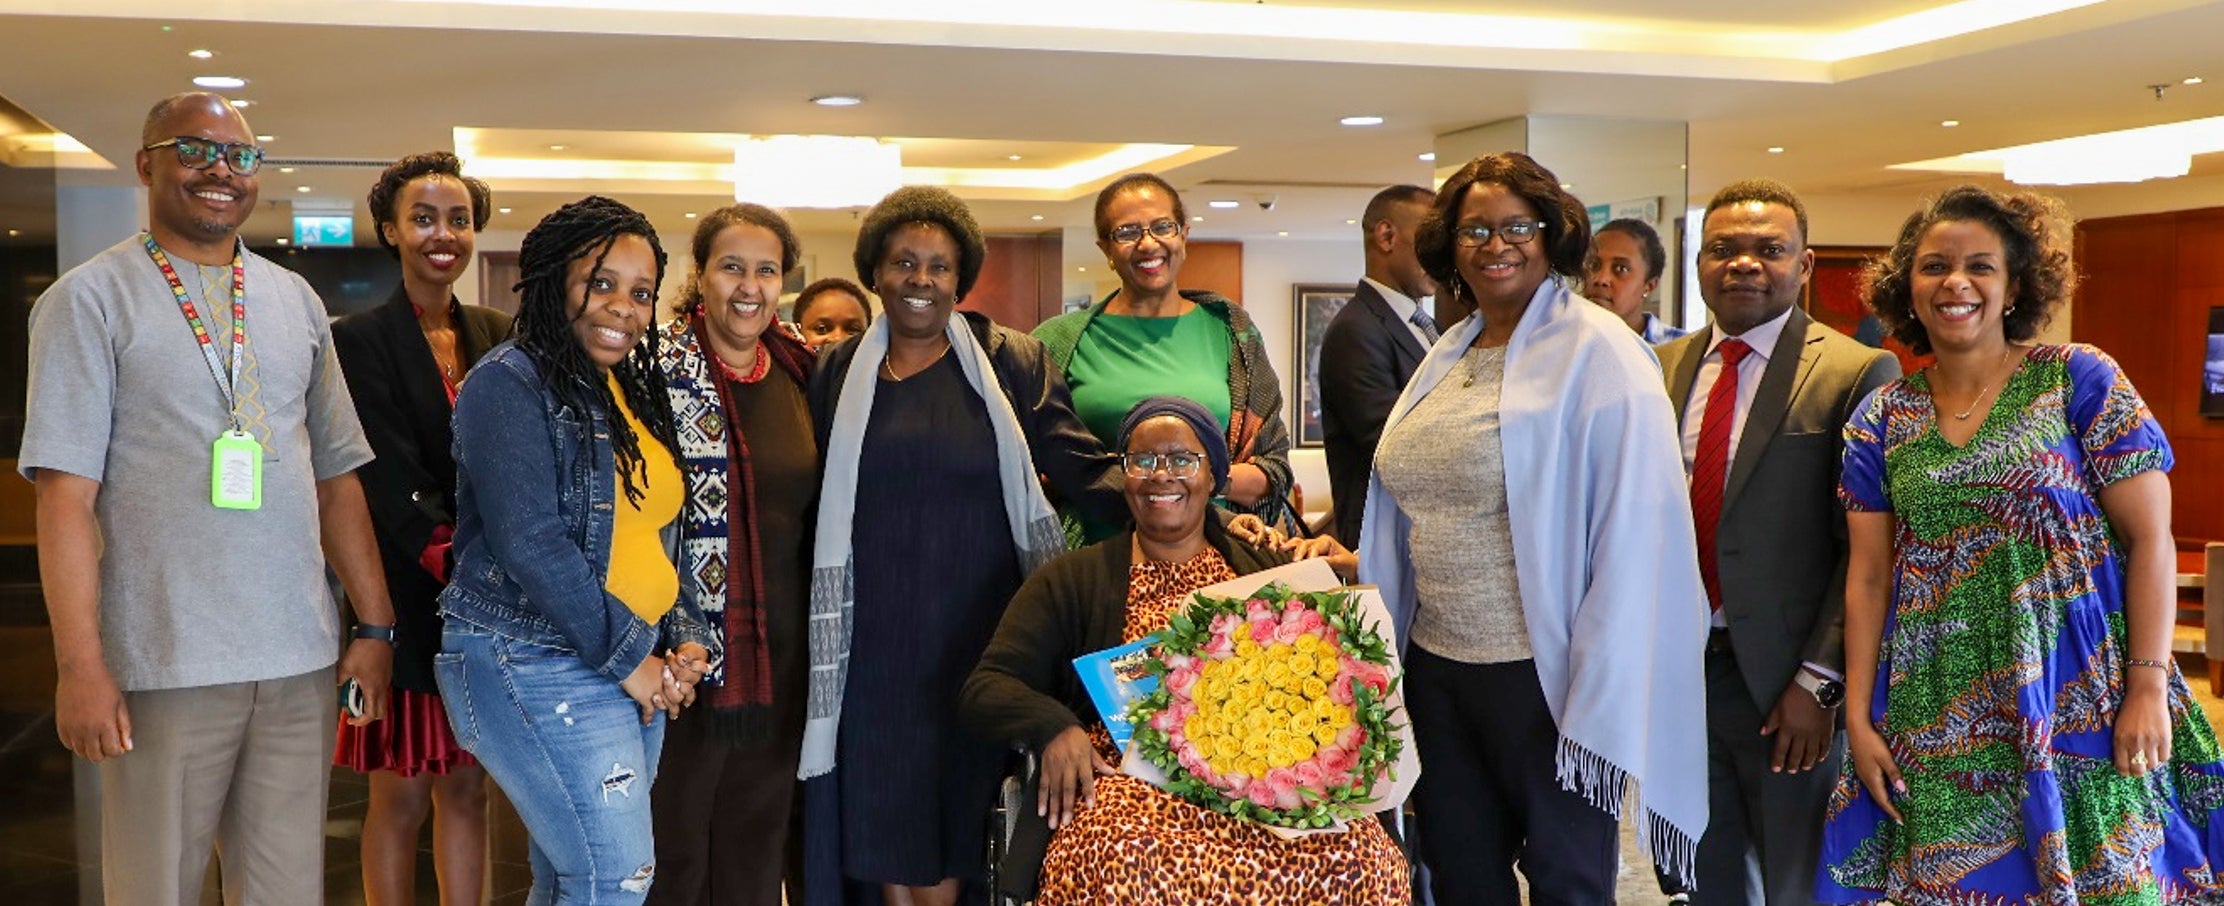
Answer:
(414, 737)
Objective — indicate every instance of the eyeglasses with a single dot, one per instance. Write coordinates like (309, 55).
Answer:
(201, 154)
(1183, 464)
(1517, 233)
(1132, 233)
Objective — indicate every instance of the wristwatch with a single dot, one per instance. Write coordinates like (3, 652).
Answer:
(1828, 693)
(375, 631)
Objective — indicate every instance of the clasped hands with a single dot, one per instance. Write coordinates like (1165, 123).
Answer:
(667, 683)
(1255, 530)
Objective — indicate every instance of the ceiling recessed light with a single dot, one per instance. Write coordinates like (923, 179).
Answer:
(1775, 149)
(691, 215)
(503, 210)
(1011, 157)
(556, 147)
(1428, 157)
(1197, 218)
(1949, 123)
(285, 169)
(200, 54)
(1361, 121)
(15, 232)
(1082, 270)
(1036, 217)
(220, 81)
(1221, 203)
(837, 100)
(266, 138)
(1350, 222)
(284, 241)
(1567, 187)
(301, 188)
(1281, 232)
(242, 103)
(2192, 80)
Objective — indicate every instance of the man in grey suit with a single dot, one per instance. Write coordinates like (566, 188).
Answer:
(1371, 348)
(1763, 394)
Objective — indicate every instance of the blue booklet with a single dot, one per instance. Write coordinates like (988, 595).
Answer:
(1116, 677)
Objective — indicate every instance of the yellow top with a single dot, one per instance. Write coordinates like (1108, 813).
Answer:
(641, 570)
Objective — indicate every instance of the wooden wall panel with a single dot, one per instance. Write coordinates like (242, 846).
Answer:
(2149, 282)
(1216, 265)
(1009, 290)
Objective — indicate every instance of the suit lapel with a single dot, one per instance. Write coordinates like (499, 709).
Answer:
(1410, 351)
(474, 336)
(1684, 370)
(1788, 366)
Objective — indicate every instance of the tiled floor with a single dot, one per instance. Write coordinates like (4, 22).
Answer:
(40, 866)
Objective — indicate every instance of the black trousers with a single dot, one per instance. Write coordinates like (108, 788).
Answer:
(1764, 829)
(1488, 795)
(723, 816)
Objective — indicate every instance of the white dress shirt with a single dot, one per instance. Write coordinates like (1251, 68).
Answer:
(1404, 308)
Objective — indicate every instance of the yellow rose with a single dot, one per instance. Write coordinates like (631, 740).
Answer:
(1301, 667)
(1324, 708)
(1276, 700)
(1308, 643)
(1255, 767)
(1302, 748)
(1245, 648)
(1302, 723)
(1226, 747)
(1277, 672)
(1278, 755)
(1325, 733)
(1325, 664)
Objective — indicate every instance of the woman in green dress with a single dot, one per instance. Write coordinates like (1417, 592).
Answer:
(2017, 731)
(1153, 338)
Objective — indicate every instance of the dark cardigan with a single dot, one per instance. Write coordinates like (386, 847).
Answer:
(1025, 690)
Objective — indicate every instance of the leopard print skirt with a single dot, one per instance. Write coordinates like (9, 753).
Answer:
(1142, 845)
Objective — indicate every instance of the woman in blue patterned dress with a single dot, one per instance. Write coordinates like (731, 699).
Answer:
(2008, 601)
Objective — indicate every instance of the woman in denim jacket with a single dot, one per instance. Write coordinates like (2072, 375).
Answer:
(566, 633)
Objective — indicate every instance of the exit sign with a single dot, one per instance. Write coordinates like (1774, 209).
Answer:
(311, 230)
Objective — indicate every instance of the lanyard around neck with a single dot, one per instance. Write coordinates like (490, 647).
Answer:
(224, 382)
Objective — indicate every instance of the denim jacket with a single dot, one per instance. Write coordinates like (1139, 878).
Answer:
(536, 483)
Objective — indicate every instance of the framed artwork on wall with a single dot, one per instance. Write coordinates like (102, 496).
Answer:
(1316, 304)
(2212, 367)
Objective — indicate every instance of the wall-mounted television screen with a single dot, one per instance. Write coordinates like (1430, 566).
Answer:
(2212, 367)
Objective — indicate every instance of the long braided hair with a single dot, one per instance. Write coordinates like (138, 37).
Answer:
(589, 227)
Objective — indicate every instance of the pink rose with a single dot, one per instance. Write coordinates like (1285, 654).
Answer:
(1179, 662)
(1292, 605)
(1351, 738)
(1220, 647)
(1224, 623)
(1181, 681)
(1163, 721)
(1255, 609)
(1262, 631)
(1190, 762)
(1339, 690)
(1283, 789)
(1308, 775)
(1288, 632)
(1328, 634)
(1311, 621)
(1261, 795)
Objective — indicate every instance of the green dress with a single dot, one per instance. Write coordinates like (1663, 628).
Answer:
(2003, 660)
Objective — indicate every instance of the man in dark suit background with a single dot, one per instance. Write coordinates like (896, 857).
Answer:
(1371, 348)
(1763, 394)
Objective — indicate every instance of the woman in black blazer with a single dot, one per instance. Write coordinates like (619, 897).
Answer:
(403, 361)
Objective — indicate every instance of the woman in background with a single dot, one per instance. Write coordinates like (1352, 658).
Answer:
(568, 643)
(830, 311)
(735, 378)
(403, 362)
(935, 426)
(2017, 730)
(1153, 338)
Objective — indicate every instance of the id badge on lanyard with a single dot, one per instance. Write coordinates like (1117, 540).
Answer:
(235, 459)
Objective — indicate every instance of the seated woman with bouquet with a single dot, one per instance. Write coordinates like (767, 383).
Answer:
(1111, 837)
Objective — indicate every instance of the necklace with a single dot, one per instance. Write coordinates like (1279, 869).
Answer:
(1964, 414)
(888, 364)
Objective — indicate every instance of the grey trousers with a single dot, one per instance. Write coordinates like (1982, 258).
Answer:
(1764, 829)
(241, 769)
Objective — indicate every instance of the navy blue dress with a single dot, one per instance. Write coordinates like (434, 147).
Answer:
(935, 568)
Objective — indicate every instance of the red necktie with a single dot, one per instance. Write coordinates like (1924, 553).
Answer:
(1710, 466)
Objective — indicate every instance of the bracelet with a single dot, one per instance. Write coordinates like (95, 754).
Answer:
(2143, 662)
(375, 632)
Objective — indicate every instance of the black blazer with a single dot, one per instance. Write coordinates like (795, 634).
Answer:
(411, 484)
(1366, 357)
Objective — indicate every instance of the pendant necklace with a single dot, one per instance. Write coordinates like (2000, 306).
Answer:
(1964, 414)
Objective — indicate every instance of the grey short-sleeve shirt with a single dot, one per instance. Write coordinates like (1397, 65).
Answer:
(191, 595)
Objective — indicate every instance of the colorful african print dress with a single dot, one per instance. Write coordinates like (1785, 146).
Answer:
(2003, 660)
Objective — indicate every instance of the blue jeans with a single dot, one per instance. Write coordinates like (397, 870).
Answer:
(567, 747)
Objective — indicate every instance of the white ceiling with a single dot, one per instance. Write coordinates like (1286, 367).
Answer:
(371, 80)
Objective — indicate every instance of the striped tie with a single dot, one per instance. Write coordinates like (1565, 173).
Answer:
(1427, 324)
(1710, 466)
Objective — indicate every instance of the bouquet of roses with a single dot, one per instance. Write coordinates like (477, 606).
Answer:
(1275, 708)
